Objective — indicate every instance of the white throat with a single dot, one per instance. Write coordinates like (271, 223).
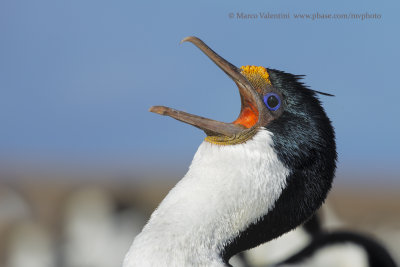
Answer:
(226, 189)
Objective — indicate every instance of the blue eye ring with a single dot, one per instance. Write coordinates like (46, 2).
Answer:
(272, 106)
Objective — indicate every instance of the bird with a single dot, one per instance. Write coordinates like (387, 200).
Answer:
(338, 248)
(251, 180)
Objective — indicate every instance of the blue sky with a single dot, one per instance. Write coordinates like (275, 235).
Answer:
(77, 77)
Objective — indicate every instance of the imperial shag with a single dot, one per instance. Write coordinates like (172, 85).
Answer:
(250, 180)
(336, 248)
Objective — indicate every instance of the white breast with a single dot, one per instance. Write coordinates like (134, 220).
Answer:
(225, 190)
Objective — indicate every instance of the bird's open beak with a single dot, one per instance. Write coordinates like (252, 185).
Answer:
(251, 103)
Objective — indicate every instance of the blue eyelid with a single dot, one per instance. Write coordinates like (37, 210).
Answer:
(266, 101)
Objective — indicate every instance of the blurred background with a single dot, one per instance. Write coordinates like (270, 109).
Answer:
(82, 161)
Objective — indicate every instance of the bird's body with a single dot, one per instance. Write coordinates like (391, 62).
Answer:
(250, 181)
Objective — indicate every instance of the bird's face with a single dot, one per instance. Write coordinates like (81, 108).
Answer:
(266, 97)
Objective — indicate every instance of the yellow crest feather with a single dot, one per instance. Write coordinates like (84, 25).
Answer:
(258, 76)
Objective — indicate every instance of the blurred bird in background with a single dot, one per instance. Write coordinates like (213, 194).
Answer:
(323, 240)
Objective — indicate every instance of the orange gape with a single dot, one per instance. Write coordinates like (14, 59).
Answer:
(248, 117)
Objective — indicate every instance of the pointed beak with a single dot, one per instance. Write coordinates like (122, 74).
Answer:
(251, 103)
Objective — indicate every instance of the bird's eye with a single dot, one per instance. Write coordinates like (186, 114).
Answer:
(273, 101)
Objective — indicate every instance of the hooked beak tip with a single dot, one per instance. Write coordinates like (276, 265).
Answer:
(187, 39)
